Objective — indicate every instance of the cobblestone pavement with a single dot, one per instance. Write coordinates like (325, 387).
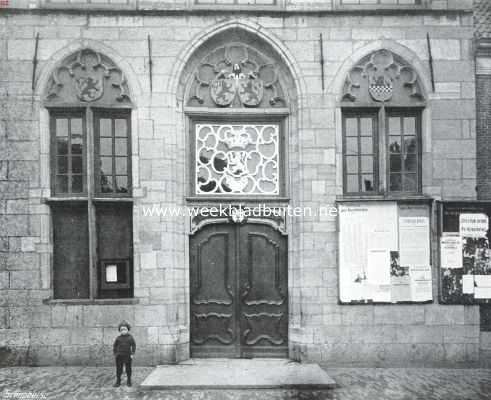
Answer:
(87, 383)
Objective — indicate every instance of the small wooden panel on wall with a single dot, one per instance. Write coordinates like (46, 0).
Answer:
(465, 264)
(384, 252)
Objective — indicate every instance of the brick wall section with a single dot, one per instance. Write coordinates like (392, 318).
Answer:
(320, 329)
(483, 140)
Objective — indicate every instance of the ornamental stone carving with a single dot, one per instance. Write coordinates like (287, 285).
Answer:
(236, 75)
(87, 77)
(382, 77)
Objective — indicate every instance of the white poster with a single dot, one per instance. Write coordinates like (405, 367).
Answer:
(482, 286)
(414, 240)
(468, 284)
(378, 267)
(111, 273)
(421, 287)
(451, 250)
(473, 225)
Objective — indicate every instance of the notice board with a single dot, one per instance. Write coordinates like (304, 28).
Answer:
(384, 252)
(465, 265)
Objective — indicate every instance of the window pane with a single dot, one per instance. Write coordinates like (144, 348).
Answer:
(77, 144)
(77, 165)
(351, 127)
(76, 126)
(352, 184)
(351, 145)
(410, 145)
(62, 145)
(121, 165)
(395, 182)
(106, 165)
(367, 164)
(61, 127)
(121, 147)
(105, 127)
(366, 127)
(366, 145)
(61, 184)
(77, 186)
(394, 126)
(410, 126)
(410, 183)
(61, 165)
(121, 184)
(395, 163)
(367, 183)
(106, 147)
(352, 164)
(411, 163)
(395, 144)
(120, 128)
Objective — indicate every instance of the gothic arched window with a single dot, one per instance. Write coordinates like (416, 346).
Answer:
(382, 105)
(90, 134)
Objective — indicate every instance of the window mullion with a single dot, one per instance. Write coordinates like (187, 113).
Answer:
(91, 208)
(383, 151)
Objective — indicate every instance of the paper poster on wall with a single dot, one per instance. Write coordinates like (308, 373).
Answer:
(451, 250)
(468, 284)
(473, 225)
(378, 243)
(421, 286)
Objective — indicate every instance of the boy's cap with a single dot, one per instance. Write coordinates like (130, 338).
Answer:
(124, 323)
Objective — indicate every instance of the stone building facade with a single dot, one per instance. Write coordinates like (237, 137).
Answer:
(107, 123)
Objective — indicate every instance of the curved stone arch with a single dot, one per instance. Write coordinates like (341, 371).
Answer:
(404, 52)
(135, 88)
(175, 86)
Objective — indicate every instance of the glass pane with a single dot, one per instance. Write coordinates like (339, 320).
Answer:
(411, 163)
(62, 146)
(395, 144)
(77, 144)
(121, 165)
(106, 183)
(366, 127)
(394, 126)
(410, 126)
(61, 127)
(106, 165)
(395, 163)
(395, 183)
(366, 145)
(62, 165)
(410, 145)
(122, 184)
(77, 186)
(76, 126)
(351, 145)
(352, 164)
(77, 165)
(367, 164)
(61, 184)
(105, 127)
(367, 183)
(351, 127)
(120, 128)
(121, 148)
(410, 182)
(106, 147)
(352, 184)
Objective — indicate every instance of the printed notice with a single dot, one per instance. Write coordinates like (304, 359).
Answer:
(378, 267)
(482, 287)
(468, 284)
(421, 287)
(414, 240)
(473, 225)
(111, 273)
(451, 250)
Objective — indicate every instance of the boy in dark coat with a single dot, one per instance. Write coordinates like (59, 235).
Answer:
(124, 348)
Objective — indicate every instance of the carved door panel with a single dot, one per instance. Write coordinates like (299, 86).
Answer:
(238, 287)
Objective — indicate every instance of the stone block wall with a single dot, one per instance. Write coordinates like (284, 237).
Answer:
(33, 332)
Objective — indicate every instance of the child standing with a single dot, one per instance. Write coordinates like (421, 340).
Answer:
(124, 348)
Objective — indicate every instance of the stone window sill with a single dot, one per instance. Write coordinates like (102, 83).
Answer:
(78, 302)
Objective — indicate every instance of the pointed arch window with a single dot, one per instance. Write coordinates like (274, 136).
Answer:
(382, 106)
(90, 129)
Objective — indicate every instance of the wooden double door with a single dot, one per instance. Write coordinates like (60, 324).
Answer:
(239, 291)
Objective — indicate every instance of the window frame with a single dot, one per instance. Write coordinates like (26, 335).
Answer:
(91, 197)
(382, 180)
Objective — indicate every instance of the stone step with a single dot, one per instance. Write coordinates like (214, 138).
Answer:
(238, 374)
